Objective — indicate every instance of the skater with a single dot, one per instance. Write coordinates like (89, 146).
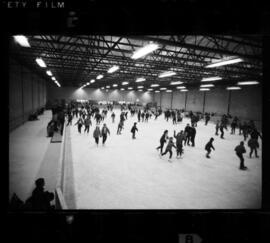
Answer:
(192, 132)
(147, 116)
(207, 118)
(120, 127)
(169, 148)
(139, 116)
(187, 134)
(87, 123)
(174, 118)
(240, 150)
(221, 130)
(142, 115)
(79, 123)
(133, 130)
(233, 126)
(179, 143)
(104, 133)
(113, 117)
(208, 147)
(70, 117)
(97, 134)
(162, 140)
(217, 127)
(253, 144)
(245, 130)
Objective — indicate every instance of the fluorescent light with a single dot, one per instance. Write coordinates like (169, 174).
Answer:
(124, 83)
(53, 78)
(113, 69)
(166, 74)
(180, 87)
(163, 88)
(168, 91)
(92, 81)
(22, 40)
(130, 88)
(175, 83)
(183, 90)
(100, 76)
(206, 85)
(150, 89)
(211, 79)
(144, 51)
(140, 80)
(226, 62)
(108, 86)
(233, 88)
(204, 89)
(140, 87)
(102, 88)
(140, 90)
(41, 63)
(248, 83)
(88, 83)
(115, 85)
(49, 73)
(157, 91)
(122, 89)
(154, 85)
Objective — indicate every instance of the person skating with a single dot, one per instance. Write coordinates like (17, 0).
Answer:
(162, 141)
(139, 116)
(104, 133)
(70, 117)
(245, 130)
(113, 117)
(142, 115)
(179, 143)
(233, 126)
(217, 127)
(208, 147)
(240, 150)
(192, 132)
(120, 127)
(87, 124)
(169, 147)
(221, 128)
(97, 134)
(187, 134)
(147, 116)
(80, 124)
(253, 144)
(134, 129)
(207, 118)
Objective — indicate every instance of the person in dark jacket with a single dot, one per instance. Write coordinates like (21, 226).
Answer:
(240, 150)
(208, 147)
(245, 130)
(40, 199)
(120, 127)
(142, 116)
(80, 124)
(192, 132)
(134, 129)
(69, 118)
(233, 126)
(207, 118)
(113, 117)
(97, 134)
(179, 143)
(87, 124)
(139, 115)
(104, 133)
(221, 128)
(187, 134)
(217, 127)
(162, 141)
(253, 144)
(169, 147)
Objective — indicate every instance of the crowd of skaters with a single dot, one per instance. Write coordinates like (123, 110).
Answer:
(87, 112)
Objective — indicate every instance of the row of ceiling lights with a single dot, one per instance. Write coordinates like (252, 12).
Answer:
(23, 41)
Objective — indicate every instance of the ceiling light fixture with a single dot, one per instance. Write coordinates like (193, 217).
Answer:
(113, 69)
(22, 40)
(211, 79)
(175, 83)
(100, 76)
(140, 80)
(233, 88)
(144, 51)
(225, 62)
(41, 63)
(166, 74)
(248, 83)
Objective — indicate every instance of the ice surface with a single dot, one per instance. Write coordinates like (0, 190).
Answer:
(128, 174)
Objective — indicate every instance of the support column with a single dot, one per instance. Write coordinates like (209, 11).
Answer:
(171, 99)
(229, 102)
(186, 100)
(160, 98)
(204, 94)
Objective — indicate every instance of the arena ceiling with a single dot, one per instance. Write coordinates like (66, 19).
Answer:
(75, 60)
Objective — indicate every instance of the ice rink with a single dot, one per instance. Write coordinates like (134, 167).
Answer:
(128, 174)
